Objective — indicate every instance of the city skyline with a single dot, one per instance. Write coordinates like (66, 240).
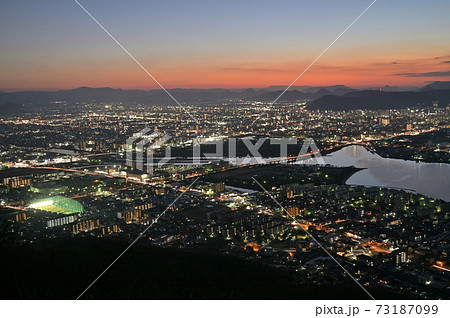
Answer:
(234, 45)
(200, 150)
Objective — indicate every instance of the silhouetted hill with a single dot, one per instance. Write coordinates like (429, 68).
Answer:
(12, 109)
(334, 89)
(289, 96)
(158, 96)
(380, 100)
(388, 88)
(335, 96)
(323, 92)
(439, 85)
(107, 94)
(63, 268)
(341, 90)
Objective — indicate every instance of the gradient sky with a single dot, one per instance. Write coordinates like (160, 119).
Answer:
(50, 45)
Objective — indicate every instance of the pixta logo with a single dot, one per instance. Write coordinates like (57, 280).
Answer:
(308, 154)
(141, 147)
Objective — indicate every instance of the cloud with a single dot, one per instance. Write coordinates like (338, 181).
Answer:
(442, 57)
(386, 63)
(445, 62)
(427, 74)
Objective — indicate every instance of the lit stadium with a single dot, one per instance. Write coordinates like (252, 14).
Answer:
(57, 204)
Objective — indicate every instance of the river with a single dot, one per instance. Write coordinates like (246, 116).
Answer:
(429, 179)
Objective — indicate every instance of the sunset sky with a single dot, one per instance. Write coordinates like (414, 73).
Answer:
(47, 45)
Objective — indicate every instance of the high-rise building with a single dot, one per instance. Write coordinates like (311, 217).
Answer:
(219, 187)
(130, 215)
(85, 226)
(293, 211)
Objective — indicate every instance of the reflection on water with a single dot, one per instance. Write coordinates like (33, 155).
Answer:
(430, 179)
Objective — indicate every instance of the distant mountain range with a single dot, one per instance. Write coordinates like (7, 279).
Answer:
(326, 97)
(380, 100)
(437, 86)
(107, 94)
(306, 94)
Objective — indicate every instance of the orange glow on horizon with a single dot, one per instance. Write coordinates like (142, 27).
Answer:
(327, 71)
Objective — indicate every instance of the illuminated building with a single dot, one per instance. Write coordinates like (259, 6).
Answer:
(289, 194)
(399, 257)
(20, 217)
(293, 211)
(130, 215)
(48, 188)
(85, 226)
(219, 187)
(57, 204)
(16, 182)
(107, 230)
(145, 206)
(137, 175)
(61, 221)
